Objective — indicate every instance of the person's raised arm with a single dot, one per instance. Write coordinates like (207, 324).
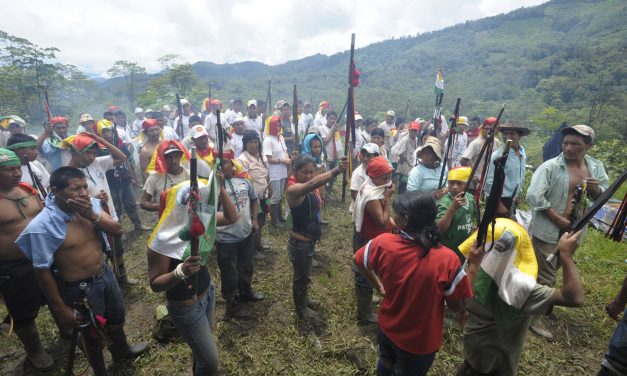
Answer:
(44, 135)
(296, 191)
(118, 155)
(82, 207)
(379, 210)
(445, 221)
(160, 278)
(331, 135)
(571, 294)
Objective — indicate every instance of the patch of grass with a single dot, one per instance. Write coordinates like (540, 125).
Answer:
(271, 344)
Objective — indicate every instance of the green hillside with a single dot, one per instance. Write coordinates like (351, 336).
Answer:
(563, 60)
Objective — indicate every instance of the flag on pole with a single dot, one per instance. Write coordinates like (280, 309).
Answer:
(508, 272)
(439, 83)
(166, 237)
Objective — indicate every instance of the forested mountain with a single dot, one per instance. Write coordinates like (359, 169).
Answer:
(563, 60)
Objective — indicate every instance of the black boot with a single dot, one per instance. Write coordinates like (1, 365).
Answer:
(123, 278)
(119, 348)
(236, 310)
(364, 305)
(35, 354)
(95, 358)
(274, 217)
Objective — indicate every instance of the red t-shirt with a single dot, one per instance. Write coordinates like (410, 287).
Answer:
(370, 230)
(412, 311)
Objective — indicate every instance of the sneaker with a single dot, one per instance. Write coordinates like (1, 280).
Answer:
(259, 256)
(126, 280)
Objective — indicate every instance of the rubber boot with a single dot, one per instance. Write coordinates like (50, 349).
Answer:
(119, 348)
(236, 310)
(35, 354)
(95, 358)
(538, 327)
(137, 222)
(364, 305)
(274, 217)
(281, 217)
(123, 278)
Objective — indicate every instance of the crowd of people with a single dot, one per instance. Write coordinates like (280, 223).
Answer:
(415, 207)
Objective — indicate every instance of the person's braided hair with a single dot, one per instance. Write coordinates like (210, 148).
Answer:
(420, 210)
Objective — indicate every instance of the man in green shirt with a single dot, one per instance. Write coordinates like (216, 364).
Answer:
(456, 210)
(550, 196)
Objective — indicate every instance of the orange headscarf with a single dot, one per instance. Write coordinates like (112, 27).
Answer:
(158, 163)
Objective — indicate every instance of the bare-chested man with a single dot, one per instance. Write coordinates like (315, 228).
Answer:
(150, 139)
(19, 204)
(550, 197)
(69, 233)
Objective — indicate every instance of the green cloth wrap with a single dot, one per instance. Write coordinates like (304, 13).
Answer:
(25, 144)
(8, 158)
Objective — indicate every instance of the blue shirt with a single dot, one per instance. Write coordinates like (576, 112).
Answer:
(514, 172)
(426, 179)
(57, 156)
(45, 234)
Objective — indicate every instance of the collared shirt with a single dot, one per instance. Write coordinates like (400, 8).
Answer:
(549, 189)
(57, 156)
(46, 232)
(472, 153)
(514, 172)
(425, 179)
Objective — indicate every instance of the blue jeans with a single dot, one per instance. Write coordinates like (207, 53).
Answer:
(103, 295)
(405, 363)
(194, 325)
(616, 356)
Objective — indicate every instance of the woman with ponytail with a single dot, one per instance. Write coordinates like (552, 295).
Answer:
(416, 275)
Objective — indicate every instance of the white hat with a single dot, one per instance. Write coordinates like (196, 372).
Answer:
(582, 129)
(14, 119)
(390, 113)
(184, 101)
(358, 116)
(166, 108)
(237, 119)
(86, 117)
(198, 131)
(251, 102)
(371, 148)
(139, 110)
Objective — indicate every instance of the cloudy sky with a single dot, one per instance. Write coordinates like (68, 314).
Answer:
(92, 34)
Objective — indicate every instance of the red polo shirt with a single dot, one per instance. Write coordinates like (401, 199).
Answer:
(412, 311)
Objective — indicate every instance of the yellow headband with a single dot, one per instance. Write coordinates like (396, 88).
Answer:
(459, 174)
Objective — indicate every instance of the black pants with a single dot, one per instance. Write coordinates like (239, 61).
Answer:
(236, 267)
(20, 291)
(300, 254)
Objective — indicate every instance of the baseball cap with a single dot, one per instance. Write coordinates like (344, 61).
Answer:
(251, 102)
(371, 148)
(86, 117)
(166, 108)
(582, 129)
(139, 110)
(172, 149)
(198, 131)
(184, 102)
(390, 113)
(358, 116)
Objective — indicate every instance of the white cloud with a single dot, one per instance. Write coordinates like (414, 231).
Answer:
(93, 34)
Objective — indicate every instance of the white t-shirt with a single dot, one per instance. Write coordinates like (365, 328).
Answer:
(333, 144)
(304, 121)
(157, 182)
(40, 172)
(358, 178)
(136, 128)
(185, 125)
(254, 124)
(97, 180)
(236, 141)
(210, 124)
(170, 134)
(123, 133)
(320, 120)
(275, 147)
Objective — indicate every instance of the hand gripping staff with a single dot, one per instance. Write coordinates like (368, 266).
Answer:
(583, 220)
(489, 213)
(452, 130)
(489, 141)
(197, 229)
